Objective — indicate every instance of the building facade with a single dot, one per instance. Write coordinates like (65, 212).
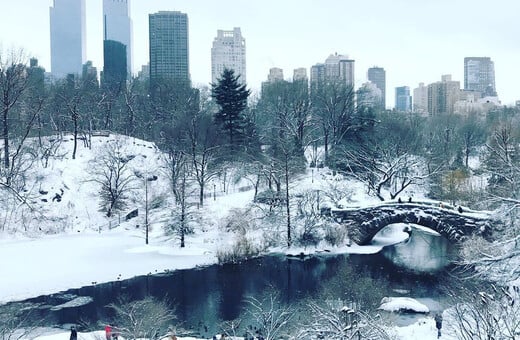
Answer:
(377, 76)
(317, 74)
(117, 27)
(443, 95)
(169, 49)
(229, 51)
(420, 99)
(300, 74)
(68, 37)
(479, 76)
(275, 74)
(337, 68)
(403, 100)
(115, 71)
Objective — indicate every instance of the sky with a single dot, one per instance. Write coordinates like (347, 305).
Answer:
(414, 40)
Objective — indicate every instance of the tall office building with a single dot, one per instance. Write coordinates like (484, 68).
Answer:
(68, 39)
(115, 70)
(337, 68)
(479, 75)
(169, 50)
(317, 75)
(377, 76)
(117, 27)
(403, 100)
(300, 74)
(443, 95)
(275, 74)
(420, 98)
(228, 51)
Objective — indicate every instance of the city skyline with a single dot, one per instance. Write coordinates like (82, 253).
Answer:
(413, 42)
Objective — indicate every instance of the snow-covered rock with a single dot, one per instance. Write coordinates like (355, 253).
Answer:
(403, 304)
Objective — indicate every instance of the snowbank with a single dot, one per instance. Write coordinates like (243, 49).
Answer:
(402, 304)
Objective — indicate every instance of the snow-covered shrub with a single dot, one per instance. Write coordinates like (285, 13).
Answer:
(308, 237)
(491, 314)
(242, 249)
(142, 318)
(239, 221)
(335, 234)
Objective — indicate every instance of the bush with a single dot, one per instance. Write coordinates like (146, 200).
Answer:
(241, 250)
(238, 220)
(270, 197)
(335, 234)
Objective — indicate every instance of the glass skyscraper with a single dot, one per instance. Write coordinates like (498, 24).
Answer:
(479, 75)
(377, 76)
(117, 27)
(169, 49)
(67, 24)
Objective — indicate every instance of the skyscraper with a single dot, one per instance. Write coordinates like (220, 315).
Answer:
(339, 68)
(117, 27)
(300, 74)
(228, 51)
(67, 24)
(403, 100)
(377, 76)
(479, 75)
(420, 98)
(336, 69)
(443, 95)
(169, 50)
(115, 71)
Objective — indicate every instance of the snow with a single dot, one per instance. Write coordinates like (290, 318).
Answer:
(72, 244)
(402, 304)
(76, 302)
(60, 335)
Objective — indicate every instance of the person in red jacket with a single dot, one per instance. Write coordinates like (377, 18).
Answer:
(108, 332)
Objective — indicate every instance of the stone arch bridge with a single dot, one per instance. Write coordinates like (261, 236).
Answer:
(454, 223)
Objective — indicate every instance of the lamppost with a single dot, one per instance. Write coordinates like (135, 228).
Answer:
(147, 179)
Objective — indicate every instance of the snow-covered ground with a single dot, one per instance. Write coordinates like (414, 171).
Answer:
(75, 245)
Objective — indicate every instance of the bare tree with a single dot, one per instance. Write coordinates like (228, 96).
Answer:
(385, 170)
(334, 108)
(339, 322)
(203, 151)
(481, 314)
(472, 134)
(20, 110)
(148, 318)
(110, 171)
(177, 166)
(270, 317)
(13, 84)
(16, 321)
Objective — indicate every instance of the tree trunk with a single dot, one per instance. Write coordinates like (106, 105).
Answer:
(287, 206)
(6, 139)
(75, 138)
(183, 210)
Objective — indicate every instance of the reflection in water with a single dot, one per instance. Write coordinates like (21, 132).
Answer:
(424, 251)
(204, 297)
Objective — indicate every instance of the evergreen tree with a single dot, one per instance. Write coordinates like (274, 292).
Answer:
(231, 97)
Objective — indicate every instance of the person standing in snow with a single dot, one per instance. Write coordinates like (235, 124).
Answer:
(73, 333)
(438, 324)
(108, 332)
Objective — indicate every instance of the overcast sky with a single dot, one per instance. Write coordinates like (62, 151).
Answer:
(414, 40)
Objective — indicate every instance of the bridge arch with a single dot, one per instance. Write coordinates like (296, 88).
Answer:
(364, 223)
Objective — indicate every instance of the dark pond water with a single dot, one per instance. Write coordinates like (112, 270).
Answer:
(204, 297)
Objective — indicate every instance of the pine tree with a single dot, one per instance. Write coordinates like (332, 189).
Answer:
(231, 96)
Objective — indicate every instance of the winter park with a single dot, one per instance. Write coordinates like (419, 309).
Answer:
(147, 205)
